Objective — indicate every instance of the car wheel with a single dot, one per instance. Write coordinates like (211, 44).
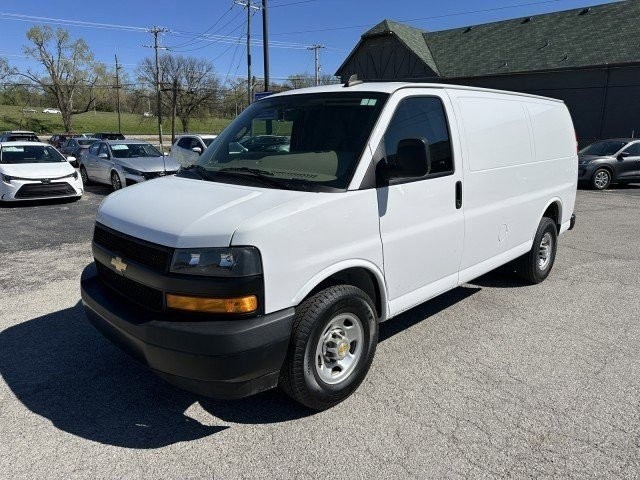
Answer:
(334, 338)
(84, 175)
(536, 265)
(601, 179)
(115, 181)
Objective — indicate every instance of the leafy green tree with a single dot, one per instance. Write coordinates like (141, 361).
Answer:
(71, 73)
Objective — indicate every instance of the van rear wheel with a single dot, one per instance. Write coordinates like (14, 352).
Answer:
(536, 265)
(333, 343)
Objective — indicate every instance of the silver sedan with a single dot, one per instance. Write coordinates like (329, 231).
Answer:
(121, 163)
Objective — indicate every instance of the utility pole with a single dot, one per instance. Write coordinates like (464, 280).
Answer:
(156, 31)
(315, 49)
(118, 67)
(248, 5)
(265, 44)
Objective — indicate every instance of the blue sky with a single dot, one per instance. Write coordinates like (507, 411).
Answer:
(293, 25)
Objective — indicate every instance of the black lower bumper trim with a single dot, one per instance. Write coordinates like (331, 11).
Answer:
(572, 222)
(219, 358)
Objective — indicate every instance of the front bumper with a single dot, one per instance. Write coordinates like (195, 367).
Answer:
(586, 171)
(216, 358)
(14, 191)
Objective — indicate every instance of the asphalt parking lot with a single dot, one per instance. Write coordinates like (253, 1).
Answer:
(493, 379)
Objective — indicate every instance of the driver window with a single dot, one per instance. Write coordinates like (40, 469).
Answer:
(633, 150)
(104, 149)
(422, 117)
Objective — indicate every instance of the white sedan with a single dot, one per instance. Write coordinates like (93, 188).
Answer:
(36, 171)
(52, 110)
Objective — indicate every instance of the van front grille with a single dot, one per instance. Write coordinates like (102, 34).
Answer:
(155, 256)
(130, 289)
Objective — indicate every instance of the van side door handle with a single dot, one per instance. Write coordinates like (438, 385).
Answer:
(458, 195)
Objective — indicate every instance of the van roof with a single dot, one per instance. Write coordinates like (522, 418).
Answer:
(391, 87)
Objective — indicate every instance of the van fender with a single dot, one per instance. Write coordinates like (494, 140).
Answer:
(321, 276)
(557, 200)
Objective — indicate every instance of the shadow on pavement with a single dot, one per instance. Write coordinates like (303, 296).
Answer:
(61, 368)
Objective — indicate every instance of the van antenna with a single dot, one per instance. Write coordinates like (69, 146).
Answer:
(353, 80)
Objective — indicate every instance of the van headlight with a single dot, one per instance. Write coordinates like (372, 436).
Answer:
(217, 262)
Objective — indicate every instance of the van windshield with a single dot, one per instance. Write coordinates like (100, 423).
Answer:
(299, 142)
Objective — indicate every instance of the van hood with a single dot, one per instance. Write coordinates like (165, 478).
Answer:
(188, 213)
(37, 171)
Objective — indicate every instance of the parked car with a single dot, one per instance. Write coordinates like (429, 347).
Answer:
(28, 110)
(52, 110)
(75, 147)
(265, 143)
(147, 114)
(18, 136)
(122, 163)
(108, 136)
(254, 269)
(58, 139)
(610, 161)
(36, 171)
(187, 148)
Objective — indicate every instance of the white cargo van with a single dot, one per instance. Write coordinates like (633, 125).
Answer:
(260, 266)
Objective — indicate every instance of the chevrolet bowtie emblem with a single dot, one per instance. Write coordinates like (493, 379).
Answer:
(118, 264)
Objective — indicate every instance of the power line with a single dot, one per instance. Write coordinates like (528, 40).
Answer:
(292, 3)
(432, 17)
(207, 30)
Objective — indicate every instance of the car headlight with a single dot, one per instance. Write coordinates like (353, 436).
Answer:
(217, 262)
(584, 162)
(132, 171)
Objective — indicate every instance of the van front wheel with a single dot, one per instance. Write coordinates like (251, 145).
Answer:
(333, 342)
(536, 265)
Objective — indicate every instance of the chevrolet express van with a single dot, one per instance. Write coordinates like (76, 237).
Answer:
(253, 268)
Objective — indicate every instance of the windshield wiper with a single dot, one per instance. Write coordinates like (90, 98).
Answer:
(255, 171)
(263, 176)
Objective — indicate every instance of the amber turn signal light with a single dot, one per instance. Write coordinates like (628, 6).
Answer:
(245, 304)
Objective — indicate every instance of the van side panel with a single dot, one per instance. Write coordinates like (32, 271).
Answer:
(519, 156)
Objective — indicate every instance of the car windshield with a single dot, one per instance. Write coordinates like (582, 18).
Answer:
(89, 141)
(30, 154)
(606, 147)
(23, 138)
(111, 136)
(300, 142)
(134, 150)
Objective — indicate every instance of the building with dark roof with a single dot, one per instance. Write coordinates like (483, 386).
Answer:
(588, 57)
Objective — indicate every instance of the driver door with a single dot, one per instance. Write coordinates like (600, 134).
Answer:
(103, 165)
(629, 165)
(421, 219)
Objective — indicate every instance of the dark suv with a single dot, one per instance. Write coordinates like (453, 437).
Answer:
(610, 161)
(108, 136)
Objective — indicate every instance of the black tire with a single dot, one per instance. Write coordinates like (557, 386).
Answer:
(116, 184)
(299, 377)
(529, 266)
(84, 176)
(601, 179)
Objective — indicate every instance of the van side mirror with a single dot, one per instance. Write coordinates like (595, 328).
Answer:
(412, 160)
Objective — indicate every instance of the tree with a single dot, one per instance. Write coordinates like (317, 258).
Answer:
(189, 84)
(71, 71)
(302, 80)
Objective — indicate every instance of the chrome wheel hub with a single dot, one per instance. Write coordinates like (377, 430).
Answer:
(339, 348)
(544, 251)
(602, 179)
